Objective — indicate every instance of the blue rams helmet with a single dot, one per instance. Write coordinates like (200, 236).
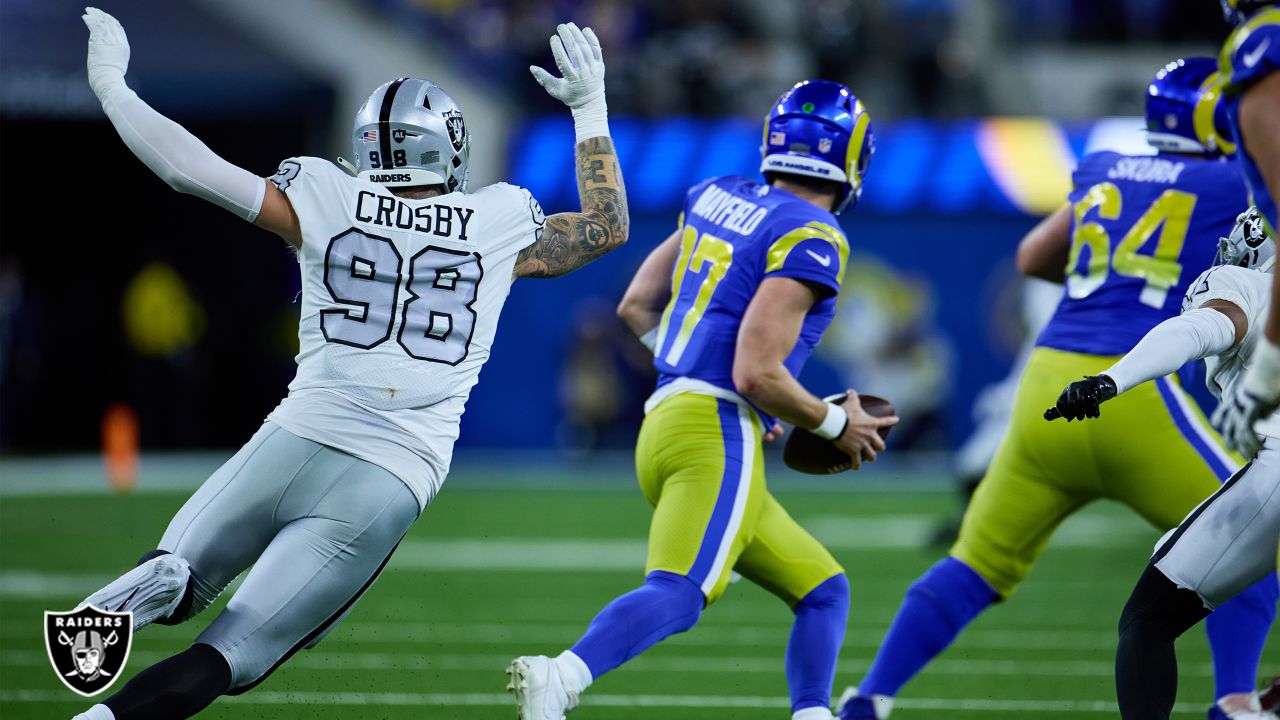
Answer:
(1185, 112)
(1237, 11)
(819, 129)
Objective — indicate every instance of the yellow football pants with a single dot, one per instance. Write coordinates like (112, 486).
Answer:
(1151, 449)
(700, 463)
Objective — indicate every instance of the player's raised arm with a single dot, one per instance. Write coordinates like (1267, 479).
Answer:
(1043, 252)
(650, 290)
(172, 153)
(571, 240)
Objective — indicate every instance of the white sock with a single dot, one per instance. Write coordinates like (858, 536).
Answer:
(575, 673)
(812, 713)
(97, 712)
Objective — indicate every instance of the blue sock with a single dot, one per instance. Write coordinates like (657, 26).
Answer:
(664, 605)
(1237, 632)
(937, 607)
(815, 643)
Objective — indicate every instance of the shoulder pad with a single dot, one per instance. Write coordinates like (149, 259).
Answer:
(1251, 52)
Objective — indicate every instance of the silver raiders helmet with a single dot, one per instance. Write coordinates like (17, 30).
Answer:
(410, 132)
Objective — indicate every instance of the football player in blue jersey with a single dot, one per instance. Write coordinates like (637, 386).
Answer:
(1249, 81)
(1134, 232)
(732, 304)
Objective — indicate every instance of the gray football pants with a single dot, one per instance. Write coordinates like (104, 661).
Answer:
(1229, 542)
(317, 524)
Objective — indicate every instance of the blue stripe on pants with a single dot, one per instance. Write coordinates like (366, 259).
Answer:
(1189, 432)
(731, 431)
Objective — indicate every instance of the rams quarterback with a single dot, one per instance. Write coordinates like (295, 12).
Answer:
(1134, 233)
(404, 274)
(1229, 541)
(1249, 81)
(732, 305)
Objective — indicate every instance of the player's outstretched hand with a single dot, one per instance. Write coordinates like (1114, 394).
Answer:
(108, 50)
(861, 439)
(1082, 398)
(581, 63)
(1235, 416)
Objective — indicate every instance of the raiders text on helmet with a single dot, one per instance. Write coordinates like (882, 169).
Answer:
(409, 132)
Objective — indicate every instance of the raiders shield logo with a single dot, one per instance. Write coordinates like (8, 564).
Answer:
(457, 130)
(88, 647)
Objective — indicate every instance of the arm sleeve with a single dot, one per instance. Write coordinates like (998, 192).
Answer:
(1171, 344)
(179, 158)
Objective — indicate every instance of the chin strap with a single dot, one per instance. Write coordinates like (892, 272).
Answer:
(349, 166)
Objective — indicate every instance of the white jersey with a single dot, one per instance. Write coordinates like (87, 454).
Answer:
(400, 302)
(1249, 290)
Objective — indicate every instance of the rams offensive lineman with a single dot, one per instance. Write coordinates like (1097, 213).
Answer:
(1249, 81)
(1229, 541)
(748, 281)
(1136, 230)
(404, 273)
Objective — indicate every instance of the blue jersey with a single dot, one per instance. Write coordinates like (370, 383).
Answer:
(1142, 228)
(1250, 54)
(735, 233)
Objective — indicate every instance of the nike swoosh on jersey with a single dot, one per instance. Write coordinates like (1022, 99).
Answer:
(823, 260)
(1252, 58)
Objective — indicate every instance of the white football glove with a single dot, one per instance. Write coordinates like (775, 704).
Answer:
(578, 56)
(108, 51)
(1255, 396)
(1234, 418)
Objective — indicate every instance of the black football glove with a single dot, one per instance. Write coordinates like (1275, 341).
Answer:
(1082, 398)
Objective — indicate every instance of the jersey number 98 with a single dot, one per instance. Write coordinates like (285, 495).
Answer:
(362, 271)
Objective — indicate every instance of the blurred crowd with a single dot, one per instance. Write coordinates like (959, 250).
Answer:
(733, 57)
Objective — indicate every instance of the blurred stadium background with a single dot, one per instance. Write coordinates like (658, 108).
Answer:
(125, 307)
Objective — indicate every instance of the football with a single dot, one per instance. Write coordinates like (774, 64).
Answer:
(808, 453)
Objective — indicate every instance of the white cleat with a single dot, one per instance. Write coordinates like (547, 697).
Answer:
(151, 591)
(866, 707)
(1244, 706)
(538, 688)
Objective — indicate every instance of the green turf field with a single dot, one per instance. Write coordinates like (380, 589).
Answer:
(489, 574)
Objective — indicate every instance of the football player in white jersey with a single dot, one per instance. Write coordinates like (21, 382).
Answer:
(404, 273)
(1229, 541)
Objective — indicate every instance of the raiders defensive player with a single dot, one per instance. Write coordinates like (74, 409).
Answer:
(404, 273)
(1229, 541)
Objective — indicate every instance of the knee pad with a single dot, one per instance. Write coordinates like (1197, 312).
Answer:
(683, 592)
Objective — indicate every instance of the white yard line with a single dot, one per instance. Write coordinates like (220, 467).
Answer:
(269, 697)
(339, 660)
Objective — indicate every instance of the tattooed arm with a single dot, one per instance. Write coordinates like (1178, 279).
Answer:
(571, 240)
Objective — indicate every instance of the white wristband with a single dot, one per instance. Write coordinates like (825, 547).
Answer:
(591, 120)
(1263, 376)
(833, 425)
(650, 339)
